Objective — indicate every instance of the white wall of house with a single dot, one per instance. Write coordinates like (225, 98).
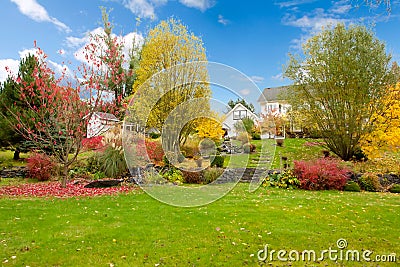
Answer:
(274, 107)
(98, 125)
(237, 113)
(277, 108)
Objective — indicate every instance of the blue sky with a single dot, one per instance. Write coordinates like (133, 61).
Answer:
(254, 37)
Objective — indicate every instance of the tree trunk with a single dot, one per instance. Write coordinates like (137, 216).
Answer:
(16, 154)
(65, 176)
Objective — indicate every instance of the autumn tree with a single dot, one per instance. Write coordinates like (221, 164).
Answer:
(210, 127)
(172, 72)
(110, 66)
(53, 117)
(10, 99)
(339, 83)
(386, 134)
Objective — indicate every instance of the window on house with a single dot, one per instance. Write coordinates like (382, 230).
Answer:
(239, 114)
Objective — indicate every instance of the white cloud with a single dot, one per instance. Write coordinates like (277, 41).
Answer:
(147, 8)
(60, 69)
(75, 41)
(311, 23)
(203, 5)
(314, 21)
(141, 8)
(13, 65)
(257, 79)
(35, 11)
(130, 40)
(8, 66)
(293, 3)
(79, 44)
(222, 20)
(26, 52)
(278, 77)
(159, 2)
(341, 7)
(245, 92)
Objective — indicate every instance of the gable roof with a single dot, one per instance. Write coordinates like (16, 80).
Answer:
(106, 116)
(273, 94)
(238, 105)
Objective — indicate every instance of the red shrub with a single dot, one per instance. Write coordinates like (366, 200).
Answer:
(154, 150)
(92, 143)
(40, 166)
(321, 174)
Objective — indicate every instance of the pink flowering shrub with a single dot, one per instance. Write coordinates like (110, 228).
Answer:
(321, 174)
(40, 166)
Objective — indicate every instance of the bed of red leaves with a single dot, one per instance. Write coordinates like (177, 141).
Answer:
(54, 189)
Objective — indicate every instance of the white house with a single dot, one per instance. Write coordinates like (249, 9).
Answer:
(237, 113)
(99, 123)
(273, 102)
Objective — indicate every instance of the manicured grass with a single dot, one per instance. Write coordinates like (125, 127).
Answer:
(136, 230)
(7, 161)
(16, 181)
(298, 149)
(293, 149)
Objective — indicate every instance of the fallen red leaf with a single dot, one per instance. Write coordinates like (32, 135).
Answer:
(54, 189)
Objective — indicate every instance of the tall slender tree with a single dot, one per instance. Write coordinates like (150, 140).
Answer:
(112, 69)
(173, 69)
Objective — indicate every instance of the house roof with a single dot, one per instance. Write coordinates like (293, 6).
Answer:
(238, 105)
(273, 94)
(106, 116)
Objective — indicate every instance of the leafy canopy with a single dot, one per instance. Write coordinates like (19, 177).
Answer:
(339, 83)
(172, 72)
(386, 134)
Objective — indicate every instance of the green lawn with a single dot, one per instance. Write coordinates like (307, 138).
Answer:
(136, 230)
(293, 149)
(296, 149)
(7, 161)
(308, 149)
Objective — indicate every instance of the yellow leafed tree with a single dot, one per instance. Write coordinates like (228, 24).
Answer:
(386, 136)
(210, 128)
(172, 71)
